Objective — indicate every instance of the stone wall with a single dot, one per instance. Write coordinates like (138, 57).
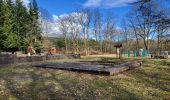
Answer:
(6, 59)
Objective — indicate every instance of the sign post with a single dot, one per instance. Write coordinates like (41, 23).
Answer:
(118, 51)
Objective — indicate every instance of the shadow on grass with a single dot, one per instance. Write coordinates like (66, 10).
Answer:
(165, 63)
(153, 80)
(25, 83)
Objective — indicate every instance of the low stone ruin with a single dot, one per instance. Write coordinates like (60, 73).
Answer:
(94, 68)
(6, 59)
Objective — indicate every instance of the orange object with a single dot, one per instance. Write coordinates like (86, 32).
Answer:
(53, 51)
(30, 50)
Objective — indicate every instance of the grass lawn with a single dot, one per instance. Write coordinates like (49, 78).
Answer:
(23, 81)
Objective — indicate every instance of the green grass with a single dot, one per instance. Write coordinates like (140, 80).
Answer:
(23, 81)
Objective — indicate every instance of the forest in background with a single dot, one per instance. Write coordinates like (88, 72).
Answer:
(145, 26)
(84, 31)
(19, 26)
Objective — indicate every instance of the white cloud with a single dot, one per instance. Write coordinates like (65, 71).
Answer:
(26, 2)
(54, 25)
(92, 3)
(107, 3)
(55, 17)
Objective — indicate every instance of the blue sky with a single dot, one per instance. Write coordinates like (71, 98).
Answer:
(59, 7)
(66, 6)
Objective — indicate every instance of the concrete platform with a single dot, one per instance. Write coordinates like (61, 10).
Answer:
(92, 68)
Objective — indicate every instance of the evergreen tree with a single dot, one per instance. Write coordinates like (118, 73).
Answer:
(10, 4)
(35, 32)
(21, 24)
(35, 9)
(10, 38)
(35, 14)
(1, 24)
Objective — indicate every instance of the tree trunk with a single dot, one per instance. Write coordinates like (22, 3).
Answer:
(145, 44)
(66, 48)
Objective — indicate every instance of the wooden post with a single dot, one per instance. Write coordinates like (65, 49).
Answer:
(118, 53)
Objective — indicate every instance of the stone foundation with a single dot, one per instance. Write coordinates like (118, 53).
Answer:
(6, 59)
(92, 68)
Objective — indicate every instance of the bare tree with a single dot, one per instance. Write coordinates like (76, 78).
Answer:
(98, 27)
(85, 20)
(143, 22)
(109, 32)
(44, 21)
(150, 18)
(75, 28)
(132, 24)
(126, 31)
(45, 25)
(162, 25)
(64, 28)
